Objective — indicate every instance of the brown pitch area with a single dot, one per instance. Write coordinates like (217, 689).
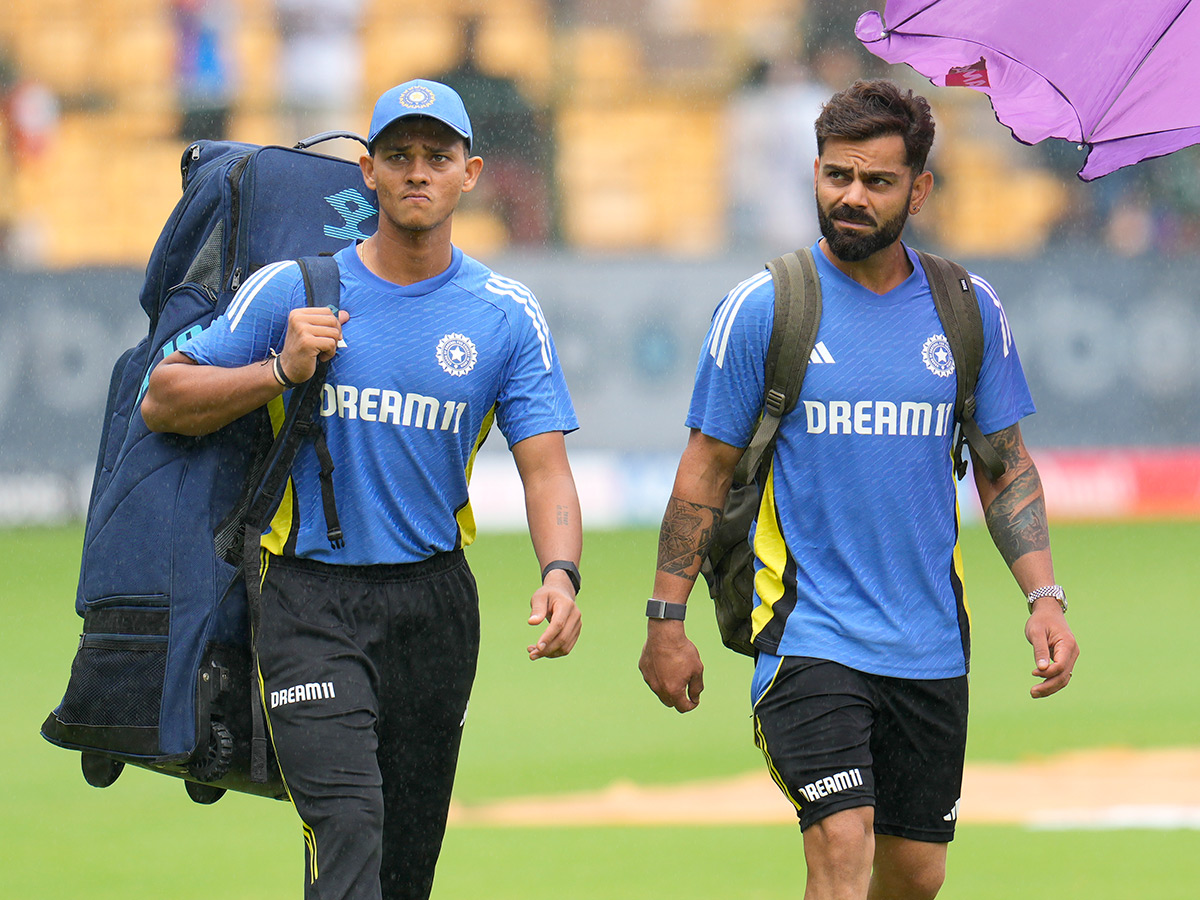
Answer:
(1080, 786)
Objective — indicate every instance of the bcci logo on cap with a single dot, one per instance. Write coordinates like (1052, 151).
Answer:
(416, 97)
(937, 356)
(456, 354)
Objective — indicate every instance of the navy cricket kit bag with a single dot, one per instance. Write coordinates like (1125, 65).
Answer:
(163, 676)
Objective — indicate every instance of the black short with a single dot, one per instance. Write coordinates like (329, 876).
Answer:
(835, 738)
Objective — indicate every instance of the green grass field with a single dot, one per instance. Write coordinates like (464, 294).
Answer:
(586, 721)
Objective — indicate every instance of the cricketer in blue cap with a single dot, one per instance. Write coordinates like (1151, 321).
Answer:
(420, 97)
(370, 764)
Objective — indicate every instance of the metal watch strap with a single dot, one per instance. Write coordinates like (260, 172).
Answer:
(661, 609)
(567, 566)
(1050, 590)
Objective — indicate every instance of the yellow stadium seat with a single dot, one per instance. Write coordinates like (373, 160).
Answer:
(601, 64)
(409, 48)
(616, 196)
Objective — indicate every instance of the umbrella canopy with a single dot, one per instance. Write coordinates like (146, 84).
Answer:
(1116, 75)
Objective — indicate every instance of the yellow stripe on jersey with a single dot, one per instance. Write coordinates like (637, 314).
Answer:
(772, 553)
(465, 516)
(958, 560)
(281, 522)
(770, 684)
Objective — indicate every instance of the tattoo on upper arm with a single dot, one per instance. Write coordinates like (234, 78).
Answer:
(687, 529)
(562, 515)
(1016, 517)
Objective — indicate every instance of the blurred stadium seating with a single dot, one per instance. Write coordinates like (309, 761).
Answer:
(636, 92)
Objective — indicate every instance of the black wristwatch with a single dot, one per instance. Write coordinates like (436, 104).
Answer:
(567, 566)
(661, 609)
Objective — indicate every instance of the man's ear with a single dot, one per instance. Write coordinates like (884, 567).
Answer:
(366, 162)
(921, 189)
(474, 167)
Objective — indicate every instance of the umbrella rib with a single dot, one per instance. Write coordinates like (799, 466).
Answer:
(1157, 131)
(901, 24)
(1021, 63)
(1146, 56)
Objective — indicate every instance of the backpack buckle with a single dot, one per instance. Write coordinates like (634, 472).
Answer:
(775, 402)
(959, 457)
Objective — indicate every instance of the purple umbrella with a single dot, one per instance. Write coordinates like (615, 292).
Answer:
(1116, 75)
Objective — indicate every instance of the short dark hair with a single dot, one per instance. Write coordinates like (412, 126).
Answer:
(871, 109)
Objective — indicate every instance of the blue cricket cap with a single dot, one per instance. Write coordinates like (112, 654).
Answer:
(420, 98)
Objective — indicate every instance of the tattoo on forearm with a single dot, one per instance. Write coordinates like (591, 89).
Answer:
(1008, 445)
(562, 515)
(1016, 517)
(687, 529)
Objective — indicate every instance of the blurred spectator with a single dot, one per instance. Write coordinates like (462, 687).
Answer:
(320, 65)
(771, 147)
(1081, 220)
(512, 137)
(202, 69)
(1178, 182)
(29, 115)
(8, 200)
(772, 143)
(1152, 208)
(30, 112)
(828, 29)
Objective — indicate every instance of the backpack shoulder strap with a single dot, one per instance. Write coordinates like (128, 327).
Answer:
(321, 288)
(793, 335)
(322, 281)
(958, 308)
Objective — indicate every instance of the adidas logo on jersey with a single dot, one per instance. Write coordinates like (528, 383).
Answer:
(821, 354)
(952, 816)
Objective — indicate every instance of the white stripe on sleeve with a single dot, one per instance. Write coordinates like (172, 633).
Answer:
(255, 283)
(506, 287)
(723, 323)
(1005, 331)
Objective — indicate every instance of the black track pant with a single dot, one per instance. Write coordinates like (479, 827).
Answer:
(366, 675)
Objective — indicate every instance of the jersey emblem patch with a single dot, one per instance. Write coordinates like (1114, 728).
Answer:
(456, 354)
(937, 356)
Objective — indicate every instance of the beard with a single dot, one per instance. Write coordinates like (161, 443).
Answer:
(854, 247)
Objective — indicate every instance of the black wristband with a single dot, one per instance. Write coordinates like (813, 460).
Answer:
(567, 566)
(661, 609)
(281, 376)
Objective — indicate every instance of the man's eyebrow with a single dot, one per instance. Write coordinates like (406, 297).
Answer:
(866, 173)
(431, 146)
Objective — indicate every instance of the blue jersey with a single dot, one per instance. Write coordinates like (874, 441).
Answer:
(424, 371)
(856, 540)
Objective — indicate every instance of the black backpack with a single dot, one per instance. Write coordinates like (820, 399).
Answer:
(728, 566)
(164, 675)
